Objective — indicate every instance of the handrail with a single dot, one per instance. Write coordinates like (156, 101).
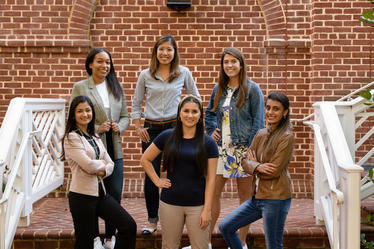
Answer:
(16, 165)
(339, 100)
(338, 196)
(325, 163)
(38, 123)
(336, 176)
(5, 219)
(356, 91)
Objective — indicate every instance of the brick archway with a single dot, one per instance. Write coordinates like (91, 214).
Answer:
(275, 19)
(80, 19)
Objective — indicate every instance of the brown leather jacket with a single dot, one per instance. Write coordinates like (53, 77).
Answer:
(276, 186)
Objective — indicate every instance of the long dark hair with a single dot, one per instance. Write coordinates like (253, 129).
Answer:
(224, 79)
(284, 123)
(111, 78)
(71, 123)
(173, 145)
(174, 64)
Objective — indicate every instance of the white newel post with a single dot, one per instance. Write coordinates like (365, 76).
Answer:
(318, 172)
(351, 209)
(27, 170)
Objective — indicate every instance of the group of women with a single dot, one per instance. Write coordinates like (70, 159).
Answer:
(198, 154)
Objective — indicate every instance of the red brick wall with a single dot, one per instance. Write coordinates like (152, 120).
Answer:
(311, 50)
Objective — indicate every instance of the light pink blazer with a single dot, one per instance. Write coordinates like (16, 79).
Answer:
(81, 158)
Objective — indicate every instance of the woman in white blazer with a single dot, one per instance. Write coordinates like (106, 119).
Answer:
(90, 163)
(106, 93)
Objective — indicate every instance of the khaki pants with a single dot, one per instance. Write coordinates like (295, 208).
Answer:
(172, 220)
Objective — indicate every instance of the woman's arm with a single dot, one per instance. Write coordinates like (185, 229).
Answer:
(280, 158)
(136, 107)
(75, 150)
(250, 162)
(109, 165)
(205, 216)
(211, 116)
(124, 120)
(146, 161)
(141, 131)
(256, 99)
(190, 85)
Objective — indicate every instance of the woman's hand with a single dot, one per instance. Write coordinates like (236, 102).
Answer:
(163, 183)
(143, 134)
(205, 218)
(115, 127)
(266, 168)
(215, 135)
(251, 155)
(101, 173)
(104, 127)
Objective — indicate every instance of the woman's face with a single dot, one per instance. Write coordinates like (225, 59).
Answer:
(274, 112)
(83, 115)
(231, 66)
(165, 53)
(190, 114)
(100, 66)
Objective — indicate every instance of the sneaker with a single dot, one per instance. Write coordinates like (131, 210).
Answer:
(244, 247)
(110, 244)
(97, 243)
(189, 247)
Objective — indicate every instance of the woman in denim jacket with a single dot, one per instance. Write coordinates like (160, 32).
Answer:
(234, 115)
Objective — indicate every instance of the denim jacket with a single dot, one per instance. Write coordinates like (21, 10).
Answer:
(244, 122)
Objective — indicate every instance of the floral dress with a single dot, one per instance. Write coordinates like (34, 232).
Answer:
(229, 156)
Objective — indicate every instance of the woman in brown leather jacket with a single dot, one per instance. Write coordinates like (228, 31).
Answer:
(267, 160)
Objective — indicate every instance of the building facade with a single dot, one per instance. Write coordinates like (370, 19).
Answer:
(312, 50)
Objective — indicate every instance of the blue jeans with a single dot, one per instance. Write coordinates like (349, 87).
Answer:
(151, 191)
(113, 185)
(273, 212)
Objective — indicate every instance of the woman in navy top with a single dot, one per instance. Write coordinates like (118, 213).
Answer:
(190, 160)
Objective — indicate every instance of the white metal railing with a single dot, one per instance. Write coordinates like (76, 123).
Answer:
(29, 159)
(337, 185)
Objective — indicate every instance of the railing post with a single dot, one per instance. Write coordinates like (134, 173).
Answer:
(317, 185)
(318, 173)
(27, 176)
(347, 121)
(351, 209)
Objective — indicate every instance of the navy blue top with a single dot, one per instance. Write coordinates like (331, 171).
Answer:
(187, 186)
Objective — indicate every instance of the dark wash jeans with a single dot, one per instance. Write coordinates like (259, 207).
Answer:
(151, 191)
(273, 213)
(113, 185)
(85, 209)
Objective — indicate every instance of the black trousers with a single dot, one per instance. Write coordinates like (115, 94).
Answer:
(151, 191)
(85, 209)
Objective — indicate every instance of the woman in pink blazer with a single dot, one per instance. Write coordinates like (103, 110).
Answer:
(90, 163)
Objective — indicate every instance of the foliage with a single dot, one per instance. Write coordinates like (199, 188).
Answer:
(367, 16)
(370, 219)
(365, 244)
(369, 97)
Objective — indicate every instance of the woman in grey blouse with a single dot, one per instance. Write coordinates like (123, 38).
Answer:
(161, 85)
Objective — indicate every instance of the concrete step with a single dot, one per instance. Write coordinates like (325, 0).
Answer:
(52, 227)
